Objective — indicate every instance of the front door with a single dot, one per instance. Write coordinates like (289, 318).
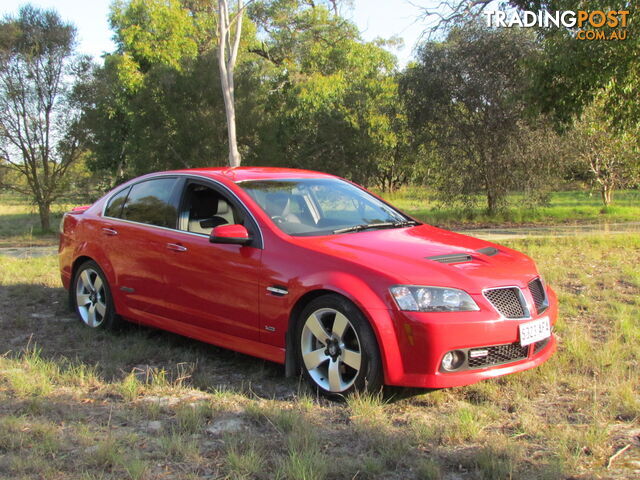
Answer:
(213, 286)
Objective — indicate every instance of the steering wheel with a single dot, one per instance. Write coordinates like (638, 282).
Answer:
(278, 219)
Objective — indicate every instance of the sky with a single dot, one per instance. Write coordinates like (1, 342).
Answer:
(375, 18)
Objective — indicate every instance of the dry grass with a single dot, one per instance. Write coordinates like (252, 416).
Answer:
(143, 404)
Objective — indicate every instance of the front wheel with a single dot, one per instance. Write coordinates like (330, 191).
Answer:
(337, 348)
(92, 297)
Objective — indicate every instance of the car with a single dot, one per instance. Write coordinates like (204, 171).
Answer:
(308, 270)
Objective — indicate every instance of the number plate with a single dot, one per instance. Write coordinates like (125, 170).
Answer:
(535, 331)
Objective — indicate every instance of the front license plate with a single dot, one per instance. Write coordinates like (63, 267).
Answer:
(535, 331)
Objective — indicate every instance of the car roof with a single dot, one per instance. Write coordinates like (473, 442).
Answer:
(239, 174)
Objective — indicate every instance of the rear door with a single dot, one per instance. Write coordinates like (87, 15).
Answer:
(214, 286)
(138, 238)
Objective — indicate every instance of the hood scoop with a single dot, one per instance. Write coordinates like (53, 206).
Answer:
(488, 251)
(451, 258)
(463, 257)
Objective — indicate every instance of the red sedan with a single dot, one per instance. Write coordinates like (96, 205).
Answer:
(308, 270)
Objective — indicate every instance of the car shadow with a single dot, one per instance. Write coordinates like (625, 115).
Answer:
(38, 316)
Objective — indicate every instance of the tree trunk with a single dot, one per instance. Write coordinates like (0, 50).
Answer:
(44, 210)
(607, 195)
(492, 202)
(230, 110)
(227, 55)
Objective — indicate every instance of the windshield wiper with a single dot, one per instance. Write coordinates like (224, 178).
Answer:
(367, 226)
(405, 223)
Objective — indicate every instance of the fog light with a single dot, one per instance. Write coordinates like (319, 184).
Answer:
(452, 360)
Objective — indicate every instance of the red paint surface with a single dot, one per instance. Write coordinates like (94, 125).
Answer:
(217, 293)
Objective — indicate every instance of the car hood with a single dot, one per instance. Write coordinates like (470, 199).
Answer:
(426, 255)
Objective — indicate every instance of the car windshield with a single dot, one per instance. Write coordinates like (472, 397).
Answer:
(322, 206)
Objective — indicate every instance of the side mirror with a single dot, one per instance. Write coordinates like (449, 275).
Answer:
(230, 234)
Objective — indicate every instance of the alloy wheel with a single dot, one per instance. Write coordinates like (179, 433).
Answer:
(331, 350)
(91, 298)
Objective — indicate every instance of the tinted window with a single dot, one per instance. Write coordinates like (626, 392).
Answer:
(114, 208)
(151, 202)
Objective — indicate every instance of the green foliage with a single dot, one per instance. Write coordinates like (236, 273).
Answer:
(572, 72)
(153, 32)
(474, 114)
(309, 93)
(465, 100)
(153, 38)
(333, 103)
(157, 102)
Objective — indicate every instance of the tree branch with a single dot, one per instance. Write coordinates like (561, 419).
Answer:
(449, 12)
(236, 43)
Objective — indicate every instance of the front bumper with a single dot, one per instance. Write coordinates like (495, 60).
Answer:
(422, 340)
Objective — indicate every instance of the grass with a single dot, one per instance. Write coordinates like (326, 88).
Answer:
(77, 404)
(243, 461)
(20, 223)
(574, 206)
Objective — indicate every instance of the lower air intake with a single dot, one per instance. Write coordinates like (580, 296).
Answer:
(497, 355)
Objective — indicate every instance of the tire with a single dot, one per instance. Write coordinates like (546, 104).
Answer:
(336, 348)
(91, 297)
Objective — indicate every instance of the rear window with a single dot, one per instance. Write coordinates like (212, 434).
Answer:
(152, 202)
(114, 208)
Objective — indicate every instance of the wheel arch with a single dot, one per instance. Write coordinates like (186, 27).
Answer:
(74, 268)
(388, 350)
(79, 261)
(291, 366)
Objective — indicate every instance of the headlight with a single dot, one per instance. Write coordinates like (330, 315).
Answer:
(432, 299)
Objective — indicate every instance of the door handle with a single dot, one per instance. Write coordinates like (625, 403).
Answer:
(109, 231)
(176, 248)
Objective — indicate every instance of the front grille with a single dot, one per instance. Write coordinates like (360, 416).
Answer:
(539, 295)
(507, 301)
(498, 354)
(540, 345)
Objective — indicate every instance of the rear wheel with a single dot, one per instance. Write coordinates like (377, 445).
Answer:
(92, 297)
(337, 348)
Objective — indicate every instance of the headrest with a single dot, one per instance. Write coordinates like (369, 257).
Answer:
(276, 203)
(223, 207)
(205, 204)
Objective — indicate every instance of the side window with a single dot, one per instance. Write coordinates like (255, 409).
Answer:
(205, 209)
(151, 202)
(114, 208)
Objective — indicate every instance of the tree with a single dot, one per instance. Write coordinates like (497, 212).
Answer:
(307, 92)
(332, 99)
(571, 72)
(465, 98)
(228, 45)
(609, 157)
(40, 133)
(156, 103)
